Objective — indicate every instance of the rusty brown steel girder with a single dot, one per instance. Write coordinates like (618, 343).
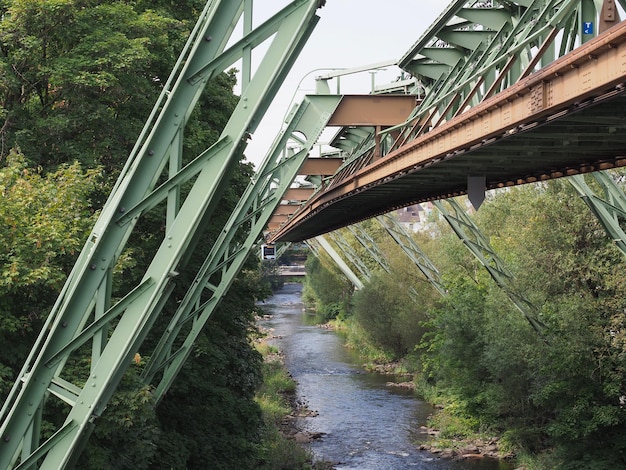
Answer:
(565, 119)
(279, 218)
(320, 166)
(378, 111)
(298, 194)
(373, 110)
(286, 209)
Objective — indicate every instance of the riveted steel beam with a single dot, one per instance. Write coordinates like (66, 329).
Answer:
(286, 209)
(413, 251)
(249, 220)
(373, 110)
(298, 194)
(279, 218)
(370, 245)
(341, 264)
(352, 256)
(320, 166)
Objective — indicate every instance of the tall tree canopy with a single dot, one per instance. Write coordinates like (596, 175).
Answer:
(43, 223)
(78, 77)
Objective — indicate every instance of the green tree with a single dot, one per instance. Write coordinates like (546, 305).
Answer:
(215, 392)
(393, 306)
(78, 78)
(270, 275)
(326, 289)
(44, 220)
(185, 10)
(562, 389)
(125, 436)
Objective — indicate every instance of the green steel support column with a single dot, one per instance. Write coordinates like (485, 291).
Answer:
(587, 20)
(71, 323)
(413, 251)
(479, 246)
(175, 165)
(341, 264)
(550, 53)
(350, 254)
(246, 74)
(364, 238)
(610, 209)
(229, 253)
(313, 246)
(13, 432)
(103, 303)
(369, 244)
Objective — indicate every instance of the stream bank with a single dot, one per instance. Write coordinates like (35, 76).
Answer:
(345, 415)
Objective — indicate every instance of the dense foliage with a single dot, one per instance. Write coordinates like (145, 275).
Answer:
(43, 222)
(326, 289)
(215, 393)
(78, 79)
(558, 395)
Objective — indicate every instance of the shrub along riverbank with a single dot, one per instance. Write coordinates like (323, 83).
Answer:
(274, 397)
(555, 395)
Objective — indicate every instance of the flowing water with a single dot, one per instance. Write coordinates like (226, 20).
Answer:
(365, 424)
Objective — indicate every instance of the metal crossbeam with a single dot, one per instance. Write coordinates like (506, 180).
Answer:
(313, 246)
(85, 308)
(341, 264)
(364, 238)
(228, 255)
(353, 257)
(282, 249)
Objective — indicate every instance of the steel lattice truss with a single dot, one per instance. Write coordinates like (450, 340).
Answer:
(476, 49)
(609, 208)
(473, 51)
(114, 324)
(466, 124)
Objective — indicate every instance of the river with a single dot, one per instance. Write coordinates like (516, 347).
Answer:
(365, 424)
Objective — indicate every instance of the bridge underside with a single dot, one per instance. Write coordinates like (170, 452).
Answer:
(588, 136)
(564, 119)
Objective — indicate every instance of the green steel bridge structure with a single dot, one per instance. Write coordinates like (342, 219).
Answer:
(494, 94)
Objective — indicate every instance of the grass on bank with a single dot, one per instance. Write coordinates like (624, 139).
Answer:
(278, 451)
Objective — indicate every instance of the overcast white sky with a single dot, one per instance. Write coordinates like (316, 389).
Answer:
(350, 33)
